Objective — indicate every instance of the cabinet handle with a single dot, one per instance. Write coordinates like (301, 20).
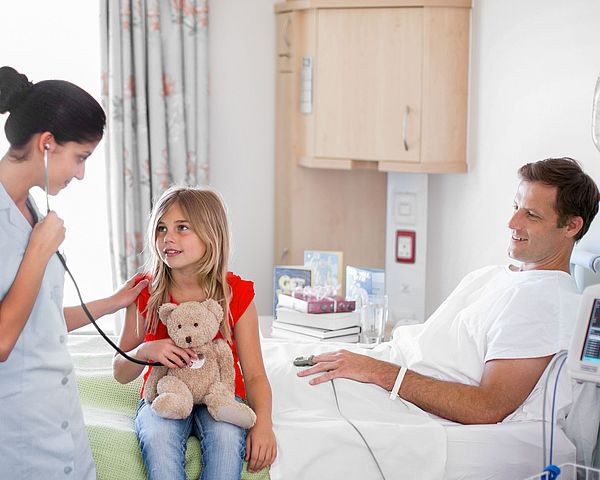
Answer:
(284, 253)
(286, 28)
(306, 85)
(404, 123)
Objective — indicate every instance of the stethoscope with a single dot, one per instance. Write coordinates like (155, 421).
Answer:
(83, 305)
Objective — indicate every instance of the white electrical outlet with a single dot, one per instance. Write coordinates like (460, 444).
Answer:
(404, 250)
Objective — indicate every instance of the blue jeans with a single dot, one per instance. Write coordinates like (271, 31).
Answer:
(163, 443)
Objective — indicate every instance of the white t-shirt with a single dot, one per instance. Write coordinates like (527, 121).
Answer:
(494, 313)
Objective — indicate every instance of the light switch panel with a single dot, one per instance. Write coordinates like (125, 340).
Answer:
(404, 208)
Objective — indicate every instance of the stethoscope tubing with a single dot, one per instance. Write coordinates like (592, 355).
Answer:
(83, 305)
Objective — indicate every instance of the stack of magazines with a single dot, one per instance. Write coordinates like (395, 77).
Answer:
(316, 319)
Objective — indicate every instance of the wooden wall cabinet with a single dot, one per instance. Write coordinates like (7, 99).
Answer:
(383, 87)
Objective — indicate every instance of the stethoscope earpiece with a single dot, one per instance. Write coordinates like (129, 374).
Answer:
(46, 148)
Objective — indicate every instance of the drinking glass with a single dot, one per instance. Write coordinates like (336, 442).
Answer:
(373, 317)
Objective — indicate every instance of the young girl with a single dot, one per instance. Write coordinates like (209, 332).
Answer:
(189, 240)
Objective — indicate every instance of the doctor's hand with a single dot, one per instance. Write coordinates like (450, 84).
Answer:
(128, 292)
(47, 235)
(354, 366)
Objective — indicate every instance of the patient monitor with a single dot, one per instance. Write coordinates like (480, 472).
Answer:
(584, 354)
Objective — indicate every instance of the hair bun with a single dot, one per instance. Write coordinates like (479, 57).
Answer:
(13, 87)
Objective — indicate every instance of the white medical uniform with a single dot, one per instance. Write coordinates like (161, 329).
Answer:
(42, 434)
(494, 313)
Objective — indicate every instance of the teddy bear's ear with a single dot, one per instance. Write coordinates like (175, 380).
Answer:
(165, 310)
(214, 307)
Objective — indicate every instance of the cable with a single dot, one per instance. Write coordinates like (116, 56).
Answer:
(551, 471)
(562, 364)
(91, 318)
(550, 369)
(337, 404)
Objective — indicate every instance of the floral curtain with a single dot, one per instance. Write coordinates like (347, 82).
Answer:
(155, 93)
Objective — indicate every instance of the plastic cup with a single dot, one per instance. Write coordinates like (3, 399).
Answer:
(373, 317)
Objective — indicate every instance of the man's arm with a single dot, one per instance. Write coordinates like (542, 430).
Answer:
(505, 384)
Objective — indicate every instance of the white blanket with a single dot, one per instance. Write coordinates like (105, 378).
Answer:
(314, 441)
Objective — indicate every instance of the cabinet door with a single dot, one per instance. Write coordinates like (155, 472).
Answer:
(368, 83)
(284, 42)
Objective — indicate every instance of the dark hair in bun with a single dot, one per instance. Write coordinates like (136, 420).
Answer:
(56, 106)
(13, 86)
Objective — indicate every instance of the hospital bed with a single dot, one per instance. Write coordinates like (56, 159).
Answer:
(510, 451)
(314, 439)
(316, 442)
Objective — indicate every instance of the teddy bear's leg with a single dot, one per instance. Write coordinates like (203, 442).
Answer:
(150, 388)
(223, 407)
(174, 399)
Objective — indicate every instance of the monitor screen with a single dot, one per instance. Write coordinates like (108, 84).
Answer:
(591, 349)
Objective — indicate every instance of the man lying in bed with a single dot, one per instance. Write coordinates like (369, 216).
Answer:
(479, 356)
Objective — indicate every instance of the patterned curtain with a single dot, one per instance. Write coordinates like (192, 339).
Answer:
(155, 93)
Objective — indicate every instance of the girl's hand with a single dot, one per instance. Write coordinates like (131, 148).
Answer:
(166, 352)
(261, 447)
(128, 292)
(47, 234)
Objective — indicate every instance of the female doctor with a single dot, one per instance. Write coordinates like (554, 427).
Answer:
(41, 426)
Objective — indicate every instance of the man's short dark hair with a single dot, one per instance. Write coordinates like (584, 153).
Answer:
(577, 194)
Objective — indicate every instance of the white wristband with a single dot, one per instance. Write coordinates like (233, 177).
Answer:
(399, 378)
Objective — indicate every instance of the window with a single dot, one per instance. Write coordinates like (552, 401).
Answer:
(62, 41)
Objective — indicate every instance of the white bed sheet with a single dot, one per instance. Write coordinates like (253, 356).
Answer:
(506, 451)
(315, 442)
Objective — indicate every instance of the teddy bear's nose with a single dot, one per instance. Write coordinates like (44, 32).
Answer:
(188, 339)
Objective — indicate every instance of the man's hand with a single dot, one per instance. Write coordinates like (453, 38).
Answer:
(505, 384)
(354, 366)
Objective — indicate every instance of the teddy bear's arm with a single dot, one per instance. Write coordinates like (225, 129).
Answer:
(150, 388)
(225, 362)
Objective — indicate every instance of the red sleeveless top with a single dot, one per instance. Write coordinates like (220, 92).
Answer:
(242, 294)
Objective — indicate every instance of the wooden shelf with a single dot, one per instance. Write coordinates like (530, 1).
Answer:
(291, 5)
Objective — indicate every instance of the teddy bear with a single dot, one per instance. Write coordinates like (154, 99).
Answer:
(173, 392)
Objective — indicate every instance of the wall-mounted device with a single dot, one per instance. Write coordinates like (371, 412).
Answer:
(584, 354)
(405, 209)
(405, 246)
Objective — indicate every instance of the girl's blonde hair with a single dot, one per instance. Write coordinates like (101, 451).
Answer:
(205, 211)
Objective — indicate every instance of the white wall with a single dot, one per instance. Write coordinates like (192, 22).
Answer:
(242, 137)
(533, 69)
